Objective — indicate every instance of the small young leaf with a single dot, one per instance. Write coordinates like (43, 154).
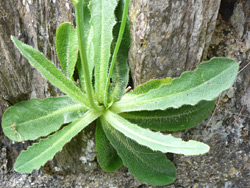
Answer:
(67, 48)
(80, 73)
(206, 83)
(106, 154)
(155, 140)
(49, 71)
(102, 22)
(146, 165)
(86, 51)
(88, 37)
(120, 76)
(36, 118)
(171, 119)
(38, 154)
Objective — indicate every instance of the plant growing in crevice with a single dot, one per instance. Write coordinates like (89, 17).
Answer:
(126, 123)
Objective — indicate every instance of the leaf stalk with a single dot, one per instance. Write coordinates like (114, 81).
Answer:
(79, 26)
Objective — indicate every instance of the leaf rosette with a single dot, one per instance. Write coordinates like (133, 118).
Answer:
(126, 123)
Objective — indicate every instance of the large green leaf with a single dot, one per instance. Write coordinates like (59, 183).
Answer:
(106, 154)
(67, 48)
(206, 83)
(146, 165)
(155, 140)
(171, 119)
(38, 154)
(120, 76)
(102, 22)
(36, 118)
(49, 71)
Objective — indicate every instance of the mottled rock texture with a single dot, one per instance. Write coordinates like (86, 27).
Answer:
(168, 37)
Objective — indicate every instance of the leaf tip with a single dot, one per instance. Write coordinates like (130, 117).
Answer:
(13, 38)
(201, 149)
(74, 2)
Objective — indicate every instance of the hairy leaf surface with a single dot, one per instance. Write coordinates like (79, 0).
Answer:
(38, 154)
(36, 118)
(67, 48)
(171, 119)
(88, 37)
(80, 73)
(150, 85)
(155, 140)
(206, 83)
(146, 165)
(120, 76)
(102, 22)
(49, 71)
(85, 33)
(106, 155)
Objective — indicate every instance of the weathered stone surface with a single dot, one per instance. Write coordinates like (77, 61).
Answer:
(29, 21)
(169, 36)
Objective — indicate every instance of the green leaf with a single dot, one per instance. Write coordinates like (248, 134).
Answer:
(102, 22)
(150, 85)
(38, 154)
(85, 35)
(106, 154)
(90, 55)
(67, 48)
(171, 119)
(146, 165)
(49, 71)
(88, 37)
(155, 140)
(206, 83)
(80, 73)
(120, 76)
(36, 118)
(74, 1)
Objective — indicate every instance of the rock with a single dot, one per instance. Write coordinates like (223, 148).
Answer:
(169, 37)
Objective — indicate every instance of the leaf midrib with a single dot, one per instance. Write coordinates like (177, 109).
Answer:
(137, 155)
(114, 119)
(55, 77)
(65, 109)
(102, 41)
(132, 116)
(129, 103)
(69, 132)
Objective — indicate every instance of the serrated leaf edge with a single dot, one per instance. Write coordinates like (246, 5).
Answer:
(79, 121)
(144, 139)
(130, 99)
